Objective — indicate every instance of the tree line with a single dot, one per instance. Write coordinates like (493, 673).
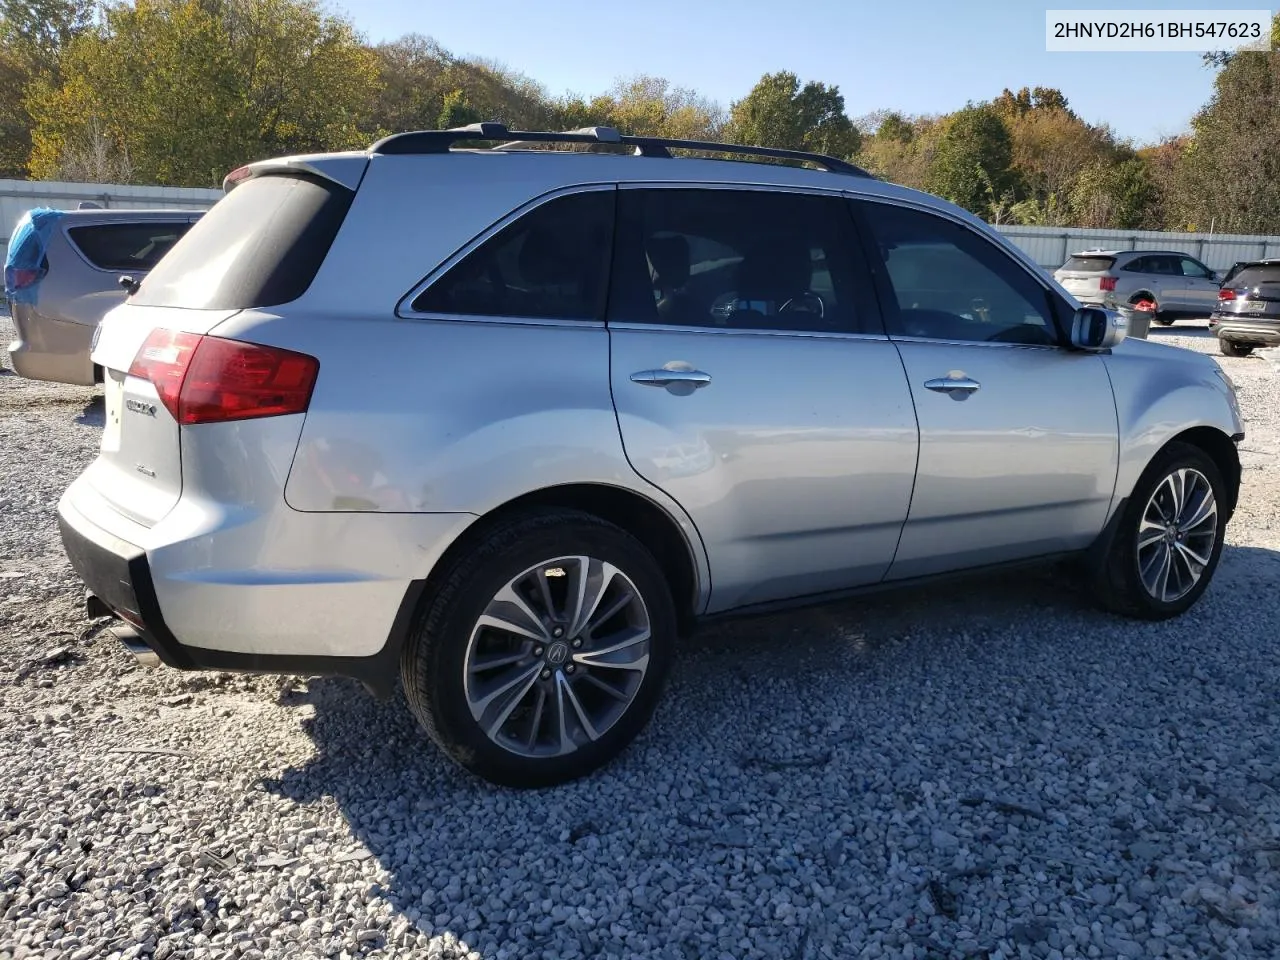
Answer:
(179, 92)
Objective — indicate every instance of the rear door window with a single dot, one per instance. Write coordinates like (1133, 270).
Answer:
(1089, 264)
(738, 259)
(260, 245)
(551, 263)
(127, 246)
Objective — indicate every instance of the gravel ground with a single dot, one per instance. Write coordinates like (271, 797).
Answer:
(971, 771)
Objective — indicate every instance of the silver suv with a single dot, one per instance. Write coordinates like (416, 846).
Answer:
(64, 270)
(503, 423)
(1179, 285)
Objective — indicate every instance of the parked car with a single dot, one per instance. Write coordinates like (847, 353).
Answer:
(1248, 311)
(503, 424)
(63, 273)
(1178, 284)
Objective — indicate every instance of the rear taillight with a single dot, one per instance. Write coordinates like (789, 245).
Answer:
(1226, 294)
(23, 278)
(211, 380)
(1107, 283)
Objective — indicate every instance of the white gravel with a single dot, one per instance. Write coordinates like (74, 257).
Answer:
(989, 770)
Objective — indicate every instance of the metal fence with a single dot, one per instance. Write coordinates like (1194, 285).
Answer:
(19, 196)
(1050, 246)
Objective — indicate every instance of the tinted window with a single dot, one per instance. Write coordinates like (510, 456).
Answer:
(127, 246)
(1163, 266)
(1090, 264)
(553, 263)
(1268, 273)
(948, 283)
(740, 259)
(261, 245)
(1139, 265)
(1192, 268)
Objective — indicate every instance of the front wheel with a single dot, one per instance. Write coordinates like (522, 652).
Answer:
(1230, 348)
(1169, 539)
(543, 652)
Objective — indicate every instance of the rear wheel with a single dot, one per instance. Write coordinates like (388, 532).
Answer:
(1232, 349)
(543, 652)
(1169, 539)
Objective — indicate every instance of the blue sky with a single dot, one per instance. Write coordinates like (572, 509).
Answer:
(917, 56)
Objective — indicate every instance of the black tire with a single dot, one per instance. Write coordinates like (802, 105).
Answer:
(1164, 319)
(1230, 348)
(1118, 585)
(432, 663)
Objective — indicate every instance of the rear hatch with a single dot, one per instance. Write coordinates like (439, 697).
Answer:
(1253, 293)
(165, 375)
(1082, 276)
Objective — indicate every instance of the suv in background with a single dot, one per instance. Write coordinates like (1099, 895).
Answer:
(64, 271)
(1179, 285)
(1248, 310)
(502, 424)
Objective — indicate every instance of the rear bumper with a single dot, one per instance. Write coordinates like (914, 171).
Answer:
(168, 606)
(1262, 333)
(49, 349)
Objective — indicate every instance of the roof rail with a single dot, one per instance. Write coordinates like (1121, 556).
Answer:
(441, 141)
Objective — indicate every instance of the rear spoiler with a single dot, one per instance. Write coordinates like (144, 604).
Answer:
(344, 169)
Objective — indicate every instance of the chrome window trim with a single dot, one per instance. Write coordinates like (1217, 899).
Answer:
(404, 306)
(1018, 257)
(634, 325)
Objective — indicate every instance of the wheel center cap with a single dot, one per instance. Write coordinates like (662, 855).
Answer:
(557, 653)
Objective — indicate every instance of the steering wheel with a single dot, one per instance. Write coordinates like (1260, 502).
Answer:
(807, 302)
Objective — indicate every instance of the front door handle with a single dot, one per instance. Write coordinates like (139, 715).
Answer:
(960, 385)
(665, 378)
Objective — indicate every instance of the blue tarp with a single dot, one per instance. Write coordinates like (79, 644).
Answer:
(24, 265)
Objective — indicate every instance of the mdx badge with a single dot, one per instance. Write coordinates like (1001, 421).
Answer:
(140, 406)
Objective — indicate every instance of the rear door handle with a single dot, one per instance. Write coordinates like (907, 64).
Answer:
(963, 385)
(664, 378)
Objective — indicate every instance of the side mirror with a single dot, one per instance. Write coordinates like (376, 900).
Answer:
(130, 285)
(1093, 328)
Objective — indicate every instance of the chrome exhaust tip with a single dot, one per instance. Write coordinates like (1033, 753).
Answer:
(134, 643)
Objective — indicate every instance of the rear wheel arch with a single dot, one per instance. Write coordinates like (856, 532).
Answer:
(639, 516)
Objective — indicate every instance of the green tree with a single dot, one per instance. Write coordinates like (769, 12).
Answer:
(1116, 195)
(182, 91)
(1229, 173)
(972, 165)
(779, 112)
(456, 111)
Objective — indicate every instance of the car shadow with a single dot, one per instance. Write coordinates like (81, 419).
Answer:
(721, 757)
(94, 413)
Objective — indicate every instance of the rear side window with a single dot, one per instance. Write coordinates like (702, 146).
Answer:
(552, 263)
(739, 259)
(1089, 264)
(127, 246)
(1267, 273)
(261, 245)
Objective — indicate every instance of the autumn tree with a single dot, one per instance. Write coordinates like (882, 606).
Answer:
(182, 91)
(33, 36)
(779, 112)
(902, 149)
